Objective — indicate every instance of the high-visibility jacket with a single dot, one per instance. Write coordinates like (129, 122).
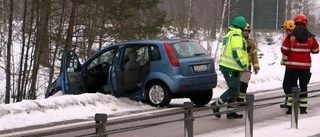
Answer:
(234, 54)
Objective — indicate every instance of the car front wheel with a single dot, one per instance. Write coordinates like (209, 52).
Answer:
(158, 94)
(203, 98)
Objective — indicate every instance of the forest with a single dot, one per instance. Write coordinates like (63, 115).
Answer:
(33, 33)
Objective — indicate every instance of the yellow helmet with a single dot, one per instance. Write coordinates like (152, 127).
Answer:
(247, 28)
(289, 25)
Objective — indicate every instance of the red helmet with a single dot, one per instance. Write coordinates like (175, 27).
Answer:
(301, 18)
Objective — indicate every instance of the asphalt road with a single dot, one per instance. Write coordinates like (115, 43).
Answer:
(209, 123)
(173, 125)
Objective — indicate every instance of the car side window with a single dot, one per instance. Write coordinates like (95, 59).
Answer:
(106, 57)
(143, 55)
(154, 53)
(73, 65)
(146, 53)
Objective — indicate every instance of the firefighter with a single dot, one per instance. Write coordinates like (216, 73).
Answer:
(288, 26)
(298, 46)
(233, 61)
(253, 61)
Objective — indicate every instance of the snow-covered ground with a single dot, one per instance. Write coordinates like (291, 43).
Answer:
(55, 109)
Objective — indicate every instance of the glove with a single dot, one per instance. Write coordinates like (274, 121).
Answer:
(256, 71)
(284, 60)
(245, 69)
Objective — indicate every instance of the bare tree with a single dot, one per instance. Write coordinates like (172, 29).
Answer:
(43, 10)
(8, 66)
(289, 8)
(74, 8)
(220, 30)
(308, 8)
(2, 26)
(91, 22)
(19, 94)
(28, 56)
(58, 39)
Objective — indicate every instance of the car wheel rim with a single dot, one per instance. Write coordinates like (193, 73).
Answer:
(156, 94)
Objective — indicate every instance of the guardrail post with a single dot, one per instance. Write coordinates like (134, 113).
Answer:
(249, 116)
(101, 119)
(295, 107)
(188, 116)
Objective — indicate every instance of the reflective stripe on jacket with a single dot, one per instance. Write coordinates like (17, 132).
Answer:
(234, 51)
(299, 53)
(253, 55)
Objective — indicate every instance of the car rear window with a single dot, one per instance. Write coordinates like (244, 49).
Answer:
(189, 49)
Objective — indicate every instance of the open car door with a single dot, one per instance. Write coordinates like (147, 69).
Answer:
(70, 78)
(116, 76)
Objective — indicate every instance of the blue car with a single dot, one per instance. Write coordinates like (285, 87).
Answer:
(151, 71)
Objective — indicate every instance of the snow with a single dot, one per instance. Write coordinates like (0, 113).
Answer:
(307, 127)
(85, 106)
(35, 112)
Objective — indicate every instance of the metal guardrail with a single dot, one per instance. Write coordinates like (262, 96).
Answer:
(101, 123)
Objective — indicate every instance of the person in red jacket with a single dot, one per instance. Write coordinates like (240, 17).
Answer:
(288, 26)
(298, 46)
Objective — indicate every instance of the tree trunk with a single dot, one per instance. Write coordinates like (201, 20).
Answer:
(41, 40)
(56, 48)
(189, 17)
(19, 96)
(45, 45)
(26, 67)
(214, 19)
(71, 24)
(103, 21)
(289, 8)
(8, 68)
(90, 31)
(220, 31)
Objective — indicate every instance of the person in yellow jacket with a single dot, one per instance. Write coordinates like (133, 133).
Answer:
(233, 61)
(253, 62)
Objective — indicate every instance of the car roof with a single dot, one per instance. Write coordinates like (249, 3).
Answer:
(154, 41)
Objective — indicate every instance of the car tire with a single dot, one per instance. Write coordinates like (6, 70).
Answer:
(203, 98)
(158, 94)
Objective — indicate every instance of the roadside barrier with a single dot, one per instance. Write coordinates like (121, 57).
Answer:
(249, 109)
(101, 120)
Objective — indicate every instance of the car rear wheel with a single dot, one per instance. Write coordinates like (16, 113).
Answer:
(203, 98)
(158, 94)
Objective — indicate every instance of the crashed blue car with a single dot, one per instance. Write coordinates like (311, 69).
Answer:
(151, 71)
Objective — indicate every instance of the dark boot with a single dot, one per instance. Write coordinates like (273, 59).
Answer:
(240, 100)
(289, 110)
(303, 110)
(217, 109)
(242, 93)
(284, 105)
(234, 115)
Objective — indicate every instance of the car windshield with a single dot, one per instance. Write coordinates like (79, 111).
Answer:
(105, 57)
(189, 49)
